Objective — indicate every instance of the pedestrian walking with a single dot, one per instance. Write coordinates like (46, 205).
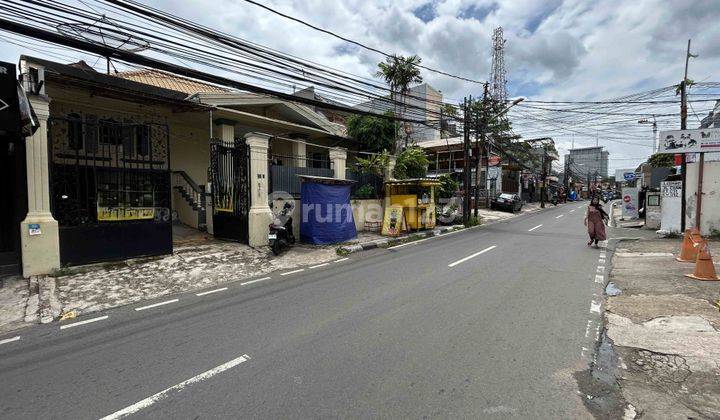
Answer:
(595, 217)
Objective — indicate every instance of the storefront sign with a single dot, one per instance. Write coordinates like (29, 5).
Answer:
(34, 229)
(689, 141)
(116, 214)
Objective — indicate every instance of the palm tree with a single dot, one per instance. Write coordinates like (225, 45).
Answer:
(399, 73)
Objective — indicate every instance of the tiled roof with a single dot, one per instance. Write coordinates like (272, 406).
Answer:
(170, 81)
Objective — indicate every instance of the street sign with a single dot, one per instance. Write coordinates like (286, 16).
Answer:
(690, 141)
(494, 160)
(629, 176)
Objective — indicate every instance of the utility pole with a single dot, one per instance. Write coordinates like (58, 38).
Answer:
(543, 177)
(481, 127)
(683, 126)
(466, 160)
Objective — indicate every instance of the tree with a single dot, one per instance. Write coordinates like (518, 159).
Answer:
(662, 160)
(376, 133)
(411, 163)
(399, 73)
(375, 164)
(448, 186)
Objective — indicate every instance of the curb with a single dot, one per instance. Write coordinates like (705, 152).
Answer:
(349, 249)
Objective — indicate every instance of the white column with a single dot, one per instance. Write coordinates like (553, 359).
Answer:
(338, 157)
(388, 173)
(260, 214)
(227, 130)
(39, 231)
(299, 151)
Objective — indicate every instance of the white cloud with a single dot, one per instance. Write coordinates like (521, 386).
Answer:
(560, 49)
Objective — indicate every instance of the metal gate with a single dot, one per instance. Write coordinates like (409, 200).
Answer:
(230, 189)
(110, 188)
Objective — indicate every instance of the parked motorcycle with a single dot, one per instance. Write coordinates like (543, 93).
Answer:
(281, 230)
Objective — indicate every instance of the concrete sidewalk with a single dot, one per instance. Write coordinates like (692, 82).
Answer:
(665, 329)
(96, 287)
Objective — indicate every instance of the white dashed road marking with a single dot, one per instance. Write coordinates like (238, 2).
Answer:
(341, 260)
(531, 229)
(10, 340)
(292, 272)
(87, 321)
(557, 217)
(222, 289)
(572, 210)
(254, 281)
(472, 256)
(155, 305)
(601, 269)
(147, 402)
(320, 265)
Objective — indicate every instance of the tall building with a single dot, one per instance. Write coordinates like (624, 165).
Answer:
(587, 161)
(423, 103)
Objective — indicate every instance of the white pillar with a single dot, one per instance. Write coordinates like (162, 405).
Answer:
(227, 129)
(299, 151)
(338, 157)
(388, 173)
(260, 215)
(39, 231)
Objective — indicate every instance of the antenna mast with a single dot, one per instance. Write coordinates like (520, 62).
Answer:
(498, 83)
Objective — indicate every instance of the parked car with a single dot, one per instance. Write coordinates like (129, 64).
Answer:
(507, 202)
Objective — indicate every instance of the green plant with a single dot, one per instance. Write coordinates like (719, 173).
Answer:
(473, 221)
(342, 251)
(662, 160)
(366, 191)
(448, 186)
(375, 164)
(399, 73)
(376, 133)
(714, 233)
(411, 163)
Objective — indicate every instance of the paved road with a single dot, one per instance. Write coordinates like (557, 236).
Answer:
(487, 322)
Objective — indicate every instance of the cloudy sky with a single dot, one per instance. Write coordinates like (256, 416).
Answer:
(556, 49)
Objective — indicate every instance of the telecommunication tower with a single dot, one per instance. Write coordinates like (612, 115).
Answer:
(498, 83)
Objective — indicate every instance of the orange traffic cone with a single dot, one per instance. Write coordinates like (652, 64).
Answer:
(704, 268)
(689, 250)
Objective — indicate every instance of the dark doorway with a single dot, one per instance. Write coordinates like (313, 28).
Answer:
(13, 190)
(230, 195)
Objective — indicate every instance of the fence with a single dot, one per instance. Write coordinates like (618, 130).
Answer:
(285, 170)
(361, 180)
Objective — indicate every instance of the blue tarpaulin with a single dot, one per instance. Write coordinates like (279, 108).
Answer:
(326, 214)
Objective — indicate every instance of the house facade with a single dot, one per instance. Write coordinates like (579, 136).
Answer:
(118, 158)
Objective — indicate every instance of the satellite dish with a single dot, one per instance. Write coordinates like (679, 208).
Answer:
(104, 32)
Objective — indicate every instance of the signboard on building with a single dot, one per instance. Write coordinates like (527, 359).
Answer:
(690, 141)
(670, 205)
(629, 176)
(494, 172)
(494, 160)
(630, 203)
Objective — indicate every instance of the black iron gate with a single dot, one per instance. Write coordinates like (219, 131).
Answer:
(110, 188)
(230, 189)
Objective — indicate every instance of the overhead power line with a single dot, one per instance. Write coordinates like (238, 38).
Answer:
(359, 44)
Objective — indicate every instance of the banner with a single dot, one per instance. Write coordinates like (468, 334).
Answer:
(630, 203)
(690, 141)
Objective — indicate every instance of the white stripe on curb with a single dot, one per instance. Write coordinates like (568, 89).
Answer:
(341, 260)
(147, 402)
(10, 340)
(254, 281)
(320, 265)
(472, 256)
(222, 289)
(87, 321)
(155, 305)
